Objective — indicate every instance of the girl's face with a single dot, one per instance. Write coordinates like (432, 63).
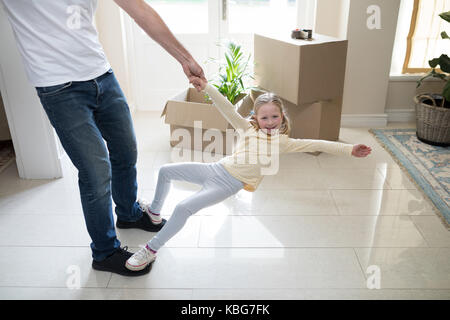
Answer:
(269, 117)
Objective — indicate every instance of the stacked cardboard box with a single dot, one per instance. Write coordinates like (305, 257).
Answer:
(309, 76)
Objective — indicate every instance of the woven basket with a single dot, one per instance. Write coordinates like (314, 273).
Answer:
(433, 123)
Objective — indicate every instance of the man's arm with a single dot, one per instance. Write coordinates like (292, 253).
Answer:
(150, 21)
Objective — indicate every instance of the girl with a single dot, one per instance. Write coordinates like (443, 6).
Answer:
(268, 124)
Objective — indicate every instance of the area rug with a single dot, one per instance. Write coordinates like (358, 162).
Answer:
(427, 166)
(7, 155)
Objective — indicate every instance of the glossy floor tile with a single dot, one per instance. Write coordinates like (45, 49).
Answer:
(378, 158)
(295, 179)
(309, 231)
(10, 184)
(249, 268)
(397, 178)
(382, 202)
(411, 268)
(18, 293)
(354, 179)
(432, 229)
(314, 230)
(281, 202)
(43, 230)
(317, 294)
(40, 199)
(59, 267)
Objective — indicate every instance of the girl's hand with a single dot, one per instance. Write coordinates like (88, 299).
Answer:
(361, 151)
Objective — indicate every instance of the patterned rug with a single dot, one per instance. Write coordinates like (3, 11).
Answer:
(427, 166)
(6, 154)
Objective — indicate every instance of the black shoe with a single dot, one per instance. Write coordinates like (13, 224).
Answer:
(115, 263)
(144, 223)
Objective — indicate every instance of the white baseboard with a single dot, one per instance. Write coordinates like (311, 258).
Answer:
(401, 115)
(364, 120)
(378, 120)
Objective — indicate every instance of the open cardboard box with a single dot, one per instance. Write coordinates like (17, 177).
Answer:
(196, 124)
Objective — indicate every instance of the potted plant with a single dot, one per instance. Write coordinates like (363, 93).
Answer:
(433, 110)
(233, 73)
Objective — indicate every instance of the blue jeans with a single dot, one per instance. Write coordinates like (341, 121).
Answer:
(85, 115)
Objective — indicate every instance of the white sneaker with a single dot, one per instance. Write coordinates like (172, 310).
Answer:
(140, 260)
(144, 205)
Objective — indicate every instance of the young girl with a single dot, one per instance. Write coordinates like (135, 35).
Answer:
(220, 180)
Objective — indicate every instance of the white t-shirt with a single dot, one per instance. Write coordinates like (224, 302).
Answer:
(57, 39)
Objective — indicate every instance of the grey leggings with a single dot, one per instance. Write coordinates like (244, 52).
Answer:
(217, 185)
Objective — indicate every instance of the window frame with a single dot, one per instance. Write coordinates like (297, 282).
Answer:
(409, 39)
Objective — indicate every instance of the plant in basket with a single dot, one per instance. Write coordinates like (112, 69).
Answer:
(433, 109)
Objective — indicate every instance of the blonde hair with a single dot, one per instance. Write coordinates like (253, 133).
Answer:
(263, 99)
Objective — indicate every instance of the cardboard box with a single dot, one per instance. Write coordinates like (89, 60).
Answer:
(300, 71)
(198, 125)
(245, 105)
(318, 120)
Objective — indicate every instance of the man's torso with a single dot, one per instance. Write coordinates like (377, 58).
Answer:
(57, 40)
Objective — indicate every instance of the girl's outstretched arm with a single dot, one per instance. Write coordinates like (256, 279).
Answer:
(337, 148)
(226, 108)
(311, 145)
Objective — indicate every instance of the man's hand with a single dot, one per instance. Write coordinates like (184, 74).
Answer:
(193, 70)
(199, 83)
(361, 151)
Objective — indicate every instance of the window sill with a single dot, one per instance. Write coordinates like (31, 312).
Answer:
(409, 77)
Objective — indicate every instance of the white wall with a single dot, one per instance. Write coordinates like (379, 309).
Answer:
(333, 17)
(369, 57)
(401, 91)
(111, 34)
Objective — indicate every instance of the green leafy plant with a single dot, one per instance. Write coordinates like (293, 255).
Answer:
(443, 62)
(233, 73)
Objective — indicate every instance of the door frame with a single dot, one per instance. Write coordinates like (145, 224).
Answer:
(36, 146)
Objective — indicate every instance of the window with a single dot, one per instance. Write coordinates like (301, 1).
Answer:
(424, 40)
(183, 16)
(249, 16)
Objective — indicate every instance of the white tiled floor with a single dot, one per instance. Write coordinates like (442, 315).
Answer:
(316, 230)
